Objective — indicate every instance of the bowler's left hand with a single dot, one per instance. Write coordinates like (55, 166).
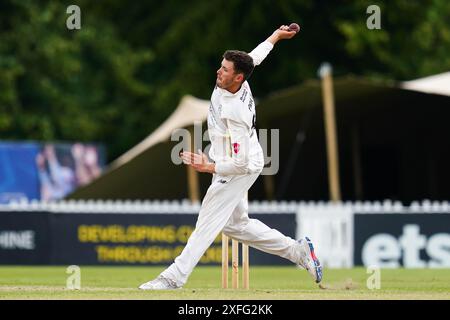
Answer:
(199, 162)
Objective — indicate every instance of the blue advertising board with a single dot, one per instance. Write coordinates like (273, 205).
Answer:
(18, 175)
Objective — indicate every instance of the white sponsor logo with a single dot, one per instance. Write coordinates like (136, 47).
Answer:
(385, 251)
(17, 240)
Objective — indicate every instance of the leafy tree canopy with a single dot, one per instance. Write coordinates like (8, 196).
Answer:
(123, 73)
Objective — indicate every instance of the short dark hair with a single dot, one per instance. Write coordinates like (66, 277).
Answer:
(243, 63)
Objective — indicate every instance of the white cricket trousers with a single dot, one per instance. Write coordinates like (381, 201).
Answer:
(225, 208)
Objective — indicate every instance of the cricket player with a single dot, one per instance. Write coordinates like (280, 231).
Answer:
(236, 162)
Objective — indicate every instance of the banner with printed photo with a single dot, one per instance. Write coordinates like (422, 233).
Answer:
(35, 171)
(64, 167)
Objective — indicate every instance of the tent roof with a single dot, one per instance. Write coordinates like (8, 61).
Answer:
(307, 95)
(437, 84)
(189, 111)
(146, 170)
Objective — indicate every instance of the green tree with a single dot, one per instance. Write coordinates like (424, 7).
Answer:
(58, 84)
(414, 39)
(115, 80)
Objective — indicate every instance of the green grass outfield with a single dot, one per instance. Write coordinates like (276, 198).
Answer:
(267, 283)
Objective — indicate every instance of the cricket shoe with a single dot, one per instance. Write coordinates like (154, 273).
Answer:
(308, 259)
(160, 283)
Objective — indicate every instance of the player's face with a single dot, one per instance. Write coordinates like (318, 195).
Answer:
(226, 77)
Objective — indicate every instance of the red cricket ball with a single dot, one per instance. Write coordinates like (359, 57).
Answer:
(294, 27)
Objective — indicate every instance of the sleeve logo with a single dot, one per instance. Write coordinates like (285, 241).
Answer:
(236, 147)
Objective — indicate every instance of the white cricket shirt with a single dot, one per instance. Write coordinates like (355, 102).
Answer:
(231, 126)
